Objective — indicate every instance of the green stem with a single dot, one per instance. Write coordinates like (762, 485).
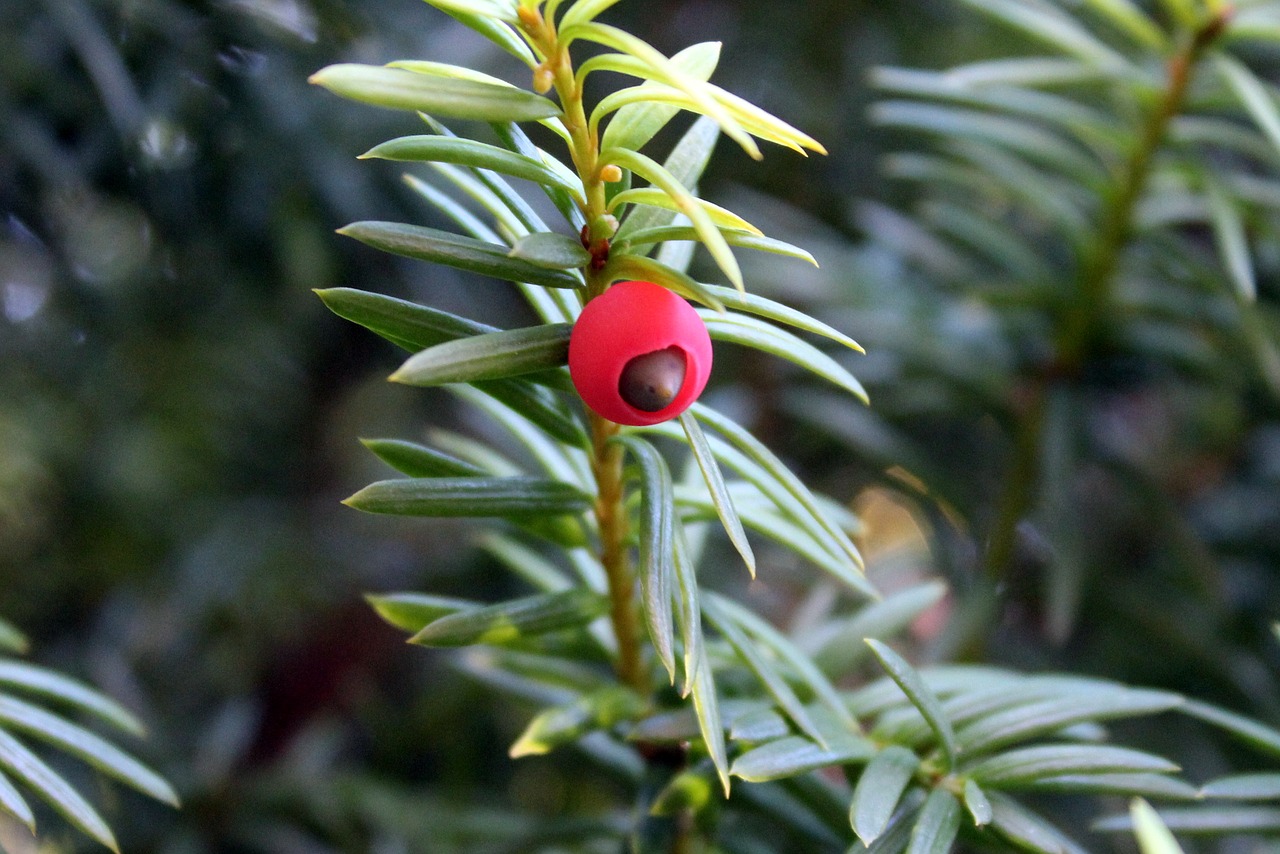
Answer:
(1084, 322)
(606, 458)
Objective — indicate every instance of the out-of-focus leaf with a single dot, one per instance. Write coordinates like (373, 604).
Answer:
(796, 754)
(937, 825)
(1028, 764)
(12, 640)
(525, 562)
(920, 696)
(1207, 820)
(454, 250)
(1229, 234)
(563, 725)
(24, 766)
(688, 610)
(691, 789)
(496, 28)
(657, 546)
(1054, 27)
(1253, 94)
(12, 802)
(502, 10)
(409, 325)
(514, 138)
(508, 622)
(420, 461)
(719, 493)
(471, 496)
(1249, 731)
(552, 251)
(1026, 830)
(1244, 787)
(879, 789)
(747, 331)
(411, 612)
(79, 742)
(449, 97)
(494, 355)
(31, 679)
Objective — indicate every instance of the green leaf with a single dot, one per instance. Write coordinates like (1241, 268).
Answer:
(665, 71)
(449, 97)
(706, 705)
(1254, 96)
(1229, 234)
(719, 493)
(513, 137)
(938, 824)
(793, 755)
(1054, 27)
(551, 251)
(42, 682)
(657, 546)
(528, 563)
(562, 462)
(805, 673)
(411, 612)
(27, 768)
(646, 269)
(1153, 836)
(764, 671)
(724, 219)
(747, 331)
(454, 250)
(976, 801)
(495, 355)
(920, 696)
(691, 790)
(688, 611)
(879, 789)
(79, 742)
(1028, 764)
(685, 202)
(1213, 821)
(1256, 735)
(685, 164)
(420, 461)
(1027, 830)
(635, 124)
(414, 327)
(12, 640)
(1244, 787)
(1146, 785)
(12, 802)
(566, 724)
(508, 622)
(502, 10)
(733, 236)
(467, 152)
(1047, 716)
(782, 481)
(471, 496)
(836, 646)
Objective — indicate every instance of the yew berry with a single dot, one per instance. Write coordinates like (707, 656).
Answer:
(639, 354)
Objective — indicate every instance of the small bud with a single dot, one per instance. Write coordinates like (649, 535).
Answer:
(611, 174)
(543, 79)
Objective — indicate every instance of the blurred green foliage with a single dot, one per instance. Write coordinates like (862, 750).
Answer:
(176, 410)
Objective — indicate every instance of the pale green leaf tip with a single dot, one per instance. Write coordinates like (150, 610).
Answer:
(525, 746)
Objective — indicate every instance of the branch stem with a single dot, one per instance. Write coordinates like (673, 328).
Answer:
(1084, 322)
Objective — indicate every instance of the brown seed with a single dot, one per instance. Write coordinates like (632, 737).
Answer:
(650, 382)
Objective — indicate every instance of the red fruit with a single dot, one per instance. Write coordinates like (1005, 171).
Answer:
(639, 354)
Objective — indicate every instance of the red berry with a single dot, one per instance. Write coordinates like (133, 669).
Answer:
(639, 354)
